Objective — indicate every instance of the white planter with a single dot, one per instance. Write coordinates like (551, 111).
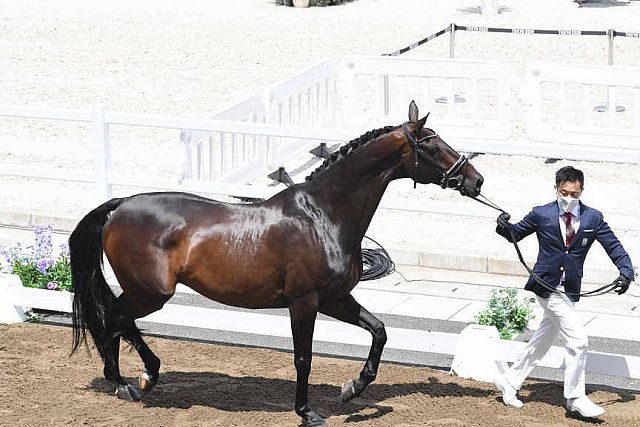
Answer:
(476, 354)
(301, 3)
(9, 313)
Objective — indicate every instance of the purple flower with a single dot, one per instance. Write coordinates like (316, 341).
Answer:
(44, 244)
(43, 265)
(52, 286)
(64, 249)
(7, 258)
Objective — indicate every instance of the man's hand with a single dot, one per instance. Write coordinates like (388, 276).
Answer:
(622, 285)
(503, 220)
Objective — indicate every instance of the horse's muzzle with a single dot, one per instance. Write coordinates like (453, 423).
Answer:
(472, 188)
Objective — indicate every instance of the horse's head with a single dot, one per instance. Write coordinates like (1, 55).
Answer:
(431, 160)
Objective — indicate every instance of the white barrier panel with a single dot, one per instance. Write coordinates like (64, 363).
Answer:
(585, 105)
(466, 98)
(306, 99)
(226, 157)
(489, 7)
(326, 331)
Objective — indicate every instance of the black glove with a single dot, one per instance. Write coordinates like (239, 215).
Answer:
(622, 285)
(503, 220)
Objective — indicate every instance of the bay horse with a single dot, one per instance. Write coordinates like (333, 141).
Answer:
(300, 249)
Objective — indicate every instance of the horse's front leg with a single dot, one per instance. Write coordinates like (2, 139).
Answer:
(348, 310)
(303, 313)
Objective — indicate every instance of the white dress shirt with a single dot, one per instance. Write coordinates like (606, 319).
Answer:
(575, 221)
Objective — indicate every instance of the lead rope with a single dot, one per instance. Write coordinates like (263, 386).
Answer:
(600, 291)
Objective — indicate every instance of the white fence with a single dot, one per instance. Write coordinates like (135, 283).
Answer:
(104, 178)
(472, 103)
(467, 99)
(15, 299)
(584, 105)
(373, 81)
(306, 99)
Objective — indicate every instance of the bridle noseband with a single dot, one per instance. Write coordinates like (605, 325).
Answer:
(447, 176)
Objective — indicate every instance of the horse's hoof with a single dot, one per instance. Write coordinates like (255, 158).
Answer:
(146, 383)
(313, 421)
(348, 391)
(127, 392)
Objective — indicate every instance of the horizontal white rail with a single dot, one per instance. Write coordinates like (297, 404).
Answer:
(48, 113)
(43, 172)
(13, 296)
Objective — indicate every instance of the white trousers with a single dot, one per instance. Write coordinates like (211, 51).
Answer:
(559, 318)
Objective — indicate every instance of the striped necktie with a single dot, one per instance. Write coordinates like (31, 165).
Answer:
(571, 232)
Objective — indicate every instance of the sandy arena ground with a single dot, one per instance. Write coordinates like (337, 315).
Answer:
(212, 385)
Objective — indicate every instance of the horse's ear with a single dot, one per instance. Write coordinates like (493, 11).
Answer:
(413, 112)
(423, 120)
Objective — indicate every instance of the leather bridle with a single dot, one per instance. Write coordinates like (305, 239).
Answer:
(448, 176)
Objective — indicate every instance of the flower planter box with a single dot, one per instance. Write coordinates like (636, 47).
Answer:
(16, 300)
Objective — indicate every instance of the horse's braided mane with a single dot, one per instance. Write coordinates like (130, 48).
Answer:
(349, 147)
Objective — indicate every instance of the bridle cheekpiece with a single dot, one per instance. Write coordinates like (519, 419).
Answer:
(447, 176)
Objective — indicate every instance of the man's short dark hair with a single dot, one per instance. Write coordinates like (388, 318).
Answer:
(571, 174)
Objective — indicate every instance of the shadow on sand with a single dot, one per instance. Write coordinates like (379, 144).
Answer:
(249, 393)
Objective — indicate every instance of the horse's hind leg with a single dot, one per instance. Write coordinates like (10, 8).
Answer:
(348, 310)
(149, 378)
(120, 323)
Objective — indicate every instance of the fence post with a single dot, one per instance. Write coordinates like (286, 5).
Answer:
(610, 105)
(102, 152)
(452, 40)
(385, 94)
(610, 36)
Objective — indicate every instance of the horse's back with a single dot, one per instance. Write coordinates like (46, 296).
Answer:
(228, 252)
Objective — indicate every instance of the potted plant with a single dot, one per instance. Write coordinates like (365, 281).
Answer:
(37, 265)
(506, 313)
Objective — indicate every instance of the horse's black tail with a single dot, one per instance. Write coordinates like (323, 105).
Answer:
(92, 295)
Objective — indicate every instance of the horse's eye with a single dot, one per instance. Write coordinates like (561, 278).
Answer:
(430, 147)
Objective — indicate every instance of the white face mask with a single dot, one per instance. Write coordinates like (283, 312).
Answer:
(567, 203)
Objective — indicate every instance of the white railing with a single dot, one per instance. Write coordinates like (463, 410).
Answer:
(584, 105)
(15, 299)
(226, 157)
(472, 104)
(466, 99)
(306, 99)
(104, 178)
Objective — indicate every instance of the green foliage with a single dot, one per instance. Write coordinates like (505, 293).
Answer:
(506, 313)
(36, 265)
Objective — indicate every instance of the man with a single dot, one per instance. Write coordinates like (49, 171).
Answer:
(565, 229)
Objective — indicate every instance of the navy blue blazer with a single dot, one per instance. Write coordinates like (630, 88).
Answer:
(555, 258)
